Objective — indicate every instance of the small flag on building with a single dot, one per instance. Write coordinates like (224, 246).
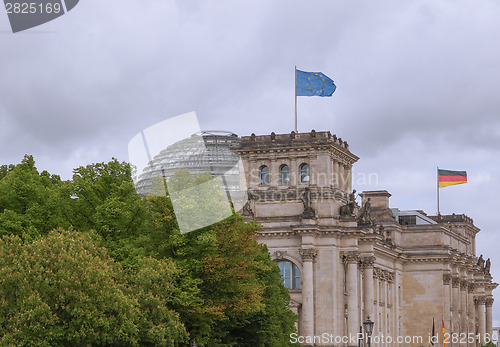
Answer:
(444, 335)
(433, 332)
(314, 84)
(448, 178)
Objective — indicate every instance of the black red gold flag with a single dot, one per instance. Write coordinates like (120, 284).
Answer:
(448, 178)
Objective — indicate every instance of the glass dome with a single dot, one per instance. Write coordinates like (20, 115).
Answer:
(204, 151)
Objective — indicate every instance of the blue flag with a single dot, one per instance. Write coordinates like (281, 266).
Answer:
(314, 83)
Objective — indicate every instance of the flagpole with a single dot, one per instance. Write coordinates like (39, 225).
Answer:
(437, 187)
(296, 99)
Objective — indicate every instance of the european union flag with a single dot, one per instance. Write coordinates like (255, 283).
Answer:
(314, 83)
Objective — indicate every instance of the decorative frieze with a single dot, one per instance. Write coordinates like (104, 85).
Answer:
(279, 255)
(384, 275)
(308, 254)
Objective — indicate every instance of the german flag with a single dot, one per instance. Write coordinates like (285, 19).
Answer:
(448, 178)
(444, 336)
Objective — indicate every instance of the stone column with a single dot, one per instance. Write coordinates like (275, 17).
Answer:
(481, 301)
(456, 303)
(448, 299)
(312, 171)
(489, 317)
(349, 178)
(273, 173)
(294, 172)
(369, 291)
(254, 179)
(463, 306)
(341, 178)
(471, 309)
(352, 258)
(336, 174)
(308, 256)
(346, 178)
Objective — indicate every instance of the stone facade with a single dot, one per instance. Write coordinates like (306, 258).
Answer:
(400, 273)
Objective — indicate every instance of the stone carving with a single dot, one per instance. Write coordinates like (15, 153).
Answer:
(487, 266)
(464, 284)
(280, 254)
(293, 304)
(247, 210)
(308, 254)
(480, 262)
(351, 257)
(472, 286)
(446, 278)
(489, 301)
(480, 300)
(455, 281)
(388, 235)
(306, 200)
(364, 217)
(348, 209)
(384, 275)
(367, 262)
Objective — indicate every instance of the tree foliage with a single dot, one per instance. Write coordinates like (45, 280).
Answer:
(128, 276)
(244, 300)
(29, 200)
(102, 197)
(64, 289)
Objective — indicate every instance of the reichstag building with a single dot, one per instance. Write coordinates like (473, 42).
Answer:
(343, 262)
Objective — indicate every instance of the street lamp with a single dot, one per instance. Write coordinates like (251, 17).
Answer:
(368, 325)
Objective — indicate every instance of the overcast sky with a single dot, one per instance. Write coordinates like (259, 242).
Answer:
(417, 87)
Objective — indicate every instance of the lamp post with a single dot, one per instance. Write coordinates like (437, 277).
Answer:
(368, 325)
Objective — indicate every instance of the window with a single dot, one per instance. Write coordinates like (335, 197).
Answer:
(408, 220)
(290, 274)
(284, 174)
(264, 175)
(304, 173)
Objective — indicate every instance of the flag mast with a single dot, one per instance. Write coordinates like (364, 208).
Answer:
(437, 187)
(296, 99)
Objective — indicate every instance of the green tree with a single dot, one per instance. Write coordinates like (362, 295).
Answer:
(29, 200)
(244, 300)
(63, 289)
(102, 197)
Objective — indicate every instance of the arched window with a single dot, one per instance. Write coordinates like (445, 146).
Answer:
(284, 174)
(304, 173)
(290, 274)
(264, 175)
